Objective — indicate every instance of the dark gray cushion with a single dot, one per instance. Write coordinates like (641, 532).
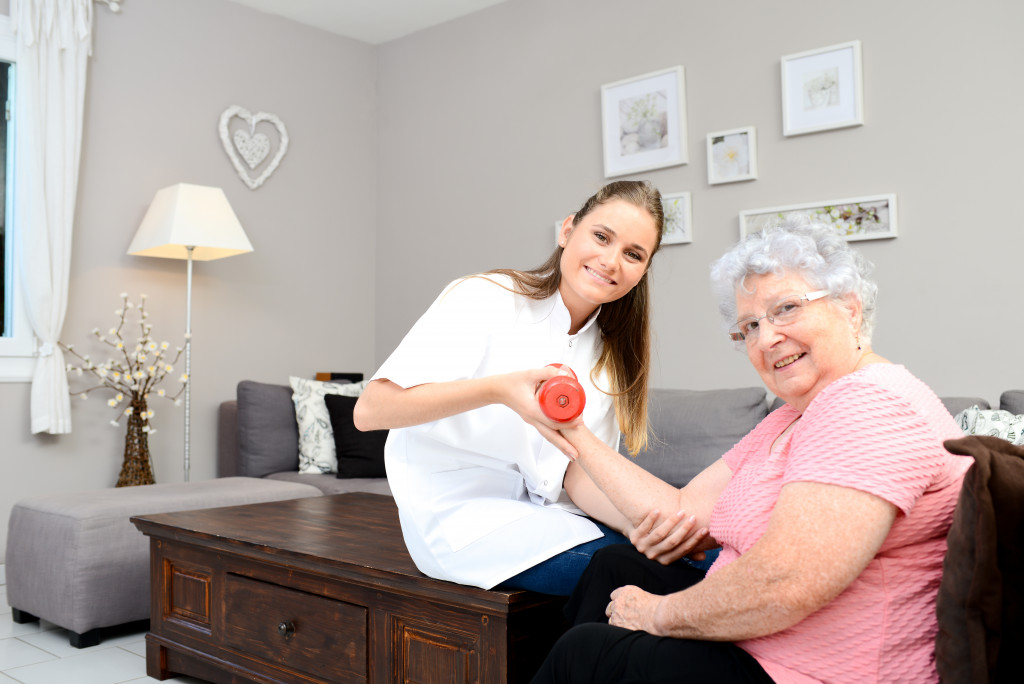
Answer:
(692, 428)
(957, 404)
(268, 434)
(1012, 401)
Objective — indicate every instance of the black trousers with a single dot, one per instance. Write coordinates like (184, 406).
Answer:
(593, 651)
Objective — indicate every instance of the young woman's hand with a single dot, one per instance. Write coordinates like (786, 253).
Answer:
(669, 539)
(519, 392)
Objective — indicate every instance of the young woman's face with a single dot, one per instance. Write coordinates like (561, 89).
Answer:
(605, 256)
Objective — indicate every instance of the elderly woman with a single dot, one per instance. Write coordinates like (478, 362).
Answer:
(832, 513)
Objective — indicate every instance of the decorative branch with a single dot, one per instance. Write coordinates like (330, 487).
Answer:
(137, 372)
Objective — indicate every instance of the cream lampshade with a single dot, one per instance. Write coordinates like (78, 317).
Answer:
(193, 222)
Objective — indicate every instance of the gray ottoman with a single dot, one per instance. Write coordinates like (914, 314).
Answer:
(75, 560)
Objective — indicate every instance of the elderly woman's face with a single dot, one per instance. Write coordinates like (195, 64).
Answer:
(799, 359)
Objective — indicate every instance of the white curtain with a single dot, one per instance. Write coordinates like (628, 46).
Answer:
(54, 40)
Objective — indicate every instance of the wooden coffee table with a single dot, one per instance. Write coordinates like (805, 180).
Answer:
(323, 590)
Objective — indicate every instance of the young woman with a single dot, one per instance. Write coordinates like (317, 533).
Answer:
(475, 466)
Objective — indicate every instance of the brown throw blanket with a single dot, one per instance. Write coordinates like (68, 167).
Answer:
(981, 628)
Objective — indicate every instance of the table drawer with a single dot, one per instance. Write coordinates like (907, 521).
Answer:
(301, 631)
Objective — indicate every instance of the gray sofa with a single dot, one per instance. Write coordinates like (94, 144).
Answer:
(258, 434)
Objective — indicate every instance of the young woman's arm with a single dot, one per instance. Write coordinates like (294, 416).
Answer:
(618, 492)
(662, 538)
(385, 405)
(634, 491)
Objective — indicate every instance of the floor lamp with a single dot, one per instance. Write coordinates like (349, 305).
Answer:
(193, 222)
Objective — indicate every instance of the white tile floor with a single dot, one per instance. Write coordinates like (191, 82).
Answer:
(39, 653)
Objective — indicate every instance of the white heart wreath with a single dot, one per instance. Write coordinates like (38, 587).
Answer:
(252, 146)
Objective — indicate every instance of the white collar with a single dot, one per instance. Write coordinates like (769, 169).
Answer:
(563, 319)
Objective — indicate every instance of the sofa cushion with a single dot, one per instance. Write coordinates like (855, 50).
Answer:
(228, 460)
(693, 428)
(268, 435)
(316, 438)
(329, 483)
(957, 404)
(360, 454)
(1001, 424)
(953, 404)
(1012, 401)
(980, 604)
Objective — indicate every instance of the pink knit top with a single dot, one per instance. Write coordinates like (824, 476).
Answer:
(878, 430)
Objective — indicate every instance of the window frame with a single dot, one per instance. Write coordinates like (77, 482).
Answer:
(17, 352)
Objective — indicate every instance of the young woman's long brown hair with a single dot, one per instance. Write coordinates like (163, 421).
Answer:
(624, 323)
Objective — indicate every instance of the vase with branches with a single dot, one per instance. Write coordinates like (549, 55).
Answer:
(132, 374)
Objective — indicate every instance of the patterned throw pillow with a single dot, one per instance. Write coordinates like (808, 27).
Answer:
(1002, 424)
(317, 452)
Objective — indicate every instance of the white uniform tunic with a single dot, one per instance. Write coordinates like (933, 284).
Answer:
(480, 493)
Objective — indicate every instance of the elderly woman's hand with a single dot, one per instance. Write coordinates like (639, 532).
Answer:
(670, 539)
(633, 608)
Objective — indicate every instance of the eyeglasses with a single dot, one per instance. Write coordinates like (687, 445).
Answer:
(782, 312)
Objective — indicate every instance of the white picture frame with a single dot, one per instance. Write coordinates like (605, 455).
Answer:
(643, 122)
(873, 217)
(732, 155)
(678, 211)
(822, 89)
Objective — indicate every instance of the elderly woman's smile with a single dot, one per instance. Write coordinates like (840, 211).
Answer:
(788, 360)
(798, 344)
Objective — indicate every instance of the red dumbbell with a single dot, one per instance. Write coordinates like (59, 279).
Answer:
(562, 397)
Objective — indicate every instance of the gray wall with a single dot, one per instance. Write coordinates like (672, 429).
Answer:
(456, 149)
(161, 73)
(490, 131)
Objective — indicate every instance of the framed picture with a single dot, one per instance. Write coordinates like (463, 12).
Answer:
(643, 120)
(822, 89)
(856, 218)
(732, 155)
(678, 219)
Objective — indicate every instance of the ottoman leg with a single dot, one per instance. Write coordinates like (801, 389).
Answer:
(21, 617)
(85, 639)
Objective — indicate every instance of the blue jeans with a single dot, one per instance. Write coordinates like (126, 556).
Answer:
(559, 574)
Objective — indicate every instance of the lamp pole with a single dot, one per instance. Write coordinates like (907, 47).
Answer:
(188, 355)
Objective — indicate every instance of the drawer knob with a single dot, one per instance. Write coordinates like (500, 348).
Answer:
(286, 629)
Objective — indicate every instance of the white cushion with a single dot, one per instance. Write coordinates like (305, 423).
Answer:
(1002, 424)
(317, 453)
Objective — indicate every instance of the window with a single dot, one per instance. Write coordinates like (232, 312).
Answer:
(17, 343)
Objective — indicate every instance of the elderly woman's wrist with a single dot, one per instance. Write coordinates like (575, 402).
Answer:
(658, 625)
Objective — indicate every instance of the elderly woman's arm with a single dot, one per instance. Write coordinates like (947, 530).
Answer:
(819, 539)
(620, 493)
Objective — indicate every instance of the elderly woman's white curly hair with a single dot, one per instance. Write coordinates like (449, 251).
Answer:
(813, 251)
